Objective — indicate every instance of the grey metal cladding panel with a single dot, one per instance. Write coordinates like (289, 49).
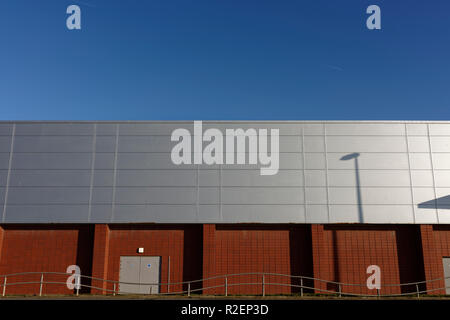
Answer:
(422, 161)
(46, 214)
(315, 178)
(4, 160)
(166, 195)
(54, 186)
(266, 213)
(2, 195)
(138, 161)
(440, 144)
(442, 178)
(102, 195)
(366, 144)
(155, 213)
(167, 128)
(105, 144)
(316, 195)
(148, 129)
(440, 160)
(106, 129)
(314, 144)
(142, 160)
(291, 161)
(100, 213)
(5, 144)
(316, 213)
(166, 178)
(208, 196)
(359, 129)
(104, 161)
(156, 195)
(54, 129)
(313, 129)
(3, 177)
(209, 214)
(424, 178)
(288, 129)
(418, 144)
(388, 214)
(48, 195)
(51, 161)
(162, 178)
(315, 161)
(52, 143)
(209, 178)
(262, 196)
(49, 178)
(371, 214)
(164, 144)
(103, 178)
(369, 178)
(444, 216)
(439, 129)
(423, 194)
(145, 144)
(417, 129)
(5, 129)
(371, 196)
(369, 160)
(248, 178)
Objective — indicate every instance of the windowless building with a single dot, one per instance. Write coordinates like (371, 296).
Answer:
(108, 197)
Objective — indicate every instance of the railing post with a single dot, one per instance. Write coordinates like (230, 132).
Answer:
(226, 286)
(40, 287)
(340, 291)
(114, 289)
(263, 286)
(417, 289)
(189, 289)
(378, 292)
(4, 286)
(301, 286)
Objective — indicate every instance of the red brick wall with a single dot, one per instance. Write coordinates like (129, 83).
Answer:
(100, 259)
(436, 245)
(281, 249)
(343, 253)
(209, 258)
(44, 248)
(405, 253)
(182, 243)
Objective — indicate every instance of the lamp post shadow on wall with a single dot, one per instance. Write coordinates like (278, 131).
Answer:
(355, 156)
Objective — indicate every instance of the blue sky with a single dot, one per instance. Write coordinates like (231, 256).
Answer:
(225, 60)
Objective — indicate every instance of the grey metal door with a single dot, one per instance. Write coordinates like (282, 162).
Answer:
(446, 262)
(140, 273)
(150, 267)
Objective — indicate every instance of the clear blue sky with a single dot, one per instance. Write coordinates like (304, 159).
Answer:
(228, 59)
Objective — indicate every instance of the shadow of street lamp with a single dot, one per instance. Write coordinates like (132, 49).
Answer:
(358, 185)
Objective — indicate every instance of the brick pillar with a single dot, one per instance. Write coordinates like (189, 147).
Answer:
(209, 258)
(320, 257)
(100, 259)
(432, 260)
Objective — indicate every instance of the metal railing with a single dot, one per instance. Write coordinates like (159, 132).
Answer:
(304, 283)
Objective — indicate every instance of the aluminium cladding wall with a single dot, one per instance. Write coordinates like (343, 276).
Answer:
(121, 172)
